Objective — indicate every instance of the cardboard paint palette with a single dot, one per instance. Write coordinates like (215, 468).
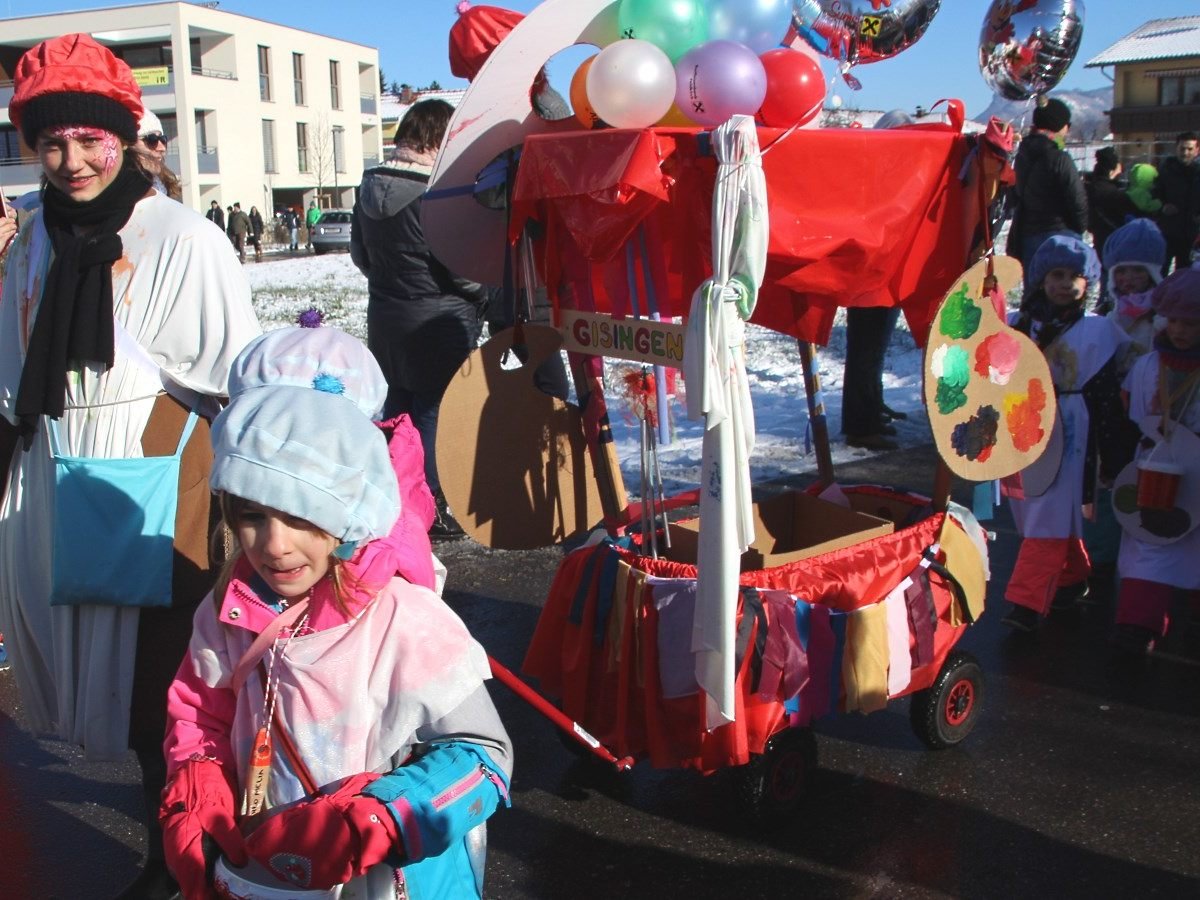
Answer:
(513, 461)
(988, 389)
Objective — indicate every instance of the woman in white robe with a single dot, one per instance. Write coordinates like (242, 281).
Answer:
(103, 240)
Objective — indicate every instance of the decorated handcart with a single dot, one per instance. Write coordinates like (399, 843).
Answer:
(715, 642)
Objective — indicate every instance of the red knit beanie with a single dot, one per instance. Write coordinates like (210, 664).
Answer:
(72, 80)
(478, 31)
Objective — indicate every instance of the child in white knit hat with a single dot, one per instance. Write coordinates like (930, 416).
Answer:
(329, 728)
(1133, 256)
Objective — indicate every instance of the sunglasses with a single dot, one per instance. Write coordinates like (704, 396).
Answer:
(153, 140)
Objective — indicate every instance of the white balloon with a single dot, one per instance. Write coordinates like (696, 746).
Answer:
(631, 84)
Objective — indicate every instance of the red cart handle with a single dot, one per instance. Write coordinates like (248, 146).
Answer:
(555, 715)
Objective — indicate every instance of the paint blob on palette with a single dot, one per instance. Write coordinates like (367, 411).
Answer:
(987, 386)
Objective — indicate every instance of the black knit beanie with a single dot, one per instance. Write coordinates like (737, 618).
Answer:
(76, 108)
(1053, 116)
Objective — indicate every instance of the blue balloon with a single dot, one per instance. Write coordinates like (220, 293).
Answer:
(759, 24)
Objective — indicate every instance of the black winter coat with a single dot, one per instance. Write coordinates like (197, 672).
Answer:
(420, 315)
(1108, 207)
(1179, 185)
(1049, 193)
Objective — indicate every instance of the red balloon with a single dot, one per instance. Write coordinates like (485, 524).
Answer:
(795, 88)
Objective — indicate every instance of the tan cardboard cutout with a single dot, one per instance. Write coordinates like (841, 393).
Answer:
(513, 461)
(987, 387)
(495, 115)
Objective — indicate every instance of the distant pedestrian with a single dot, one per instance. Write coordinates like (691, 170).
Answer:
(1178, 187)
(291, 219)
(310, 220)
(215, 215)
(1049, 195)
(229, 225)
(239, 227)
(256, 231)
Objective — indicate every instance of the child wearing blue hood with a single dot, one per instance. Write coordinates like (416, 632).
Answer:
(1052, 564)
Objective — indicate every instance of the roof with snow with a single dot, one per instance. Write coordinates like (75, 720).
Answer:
(1155, 40)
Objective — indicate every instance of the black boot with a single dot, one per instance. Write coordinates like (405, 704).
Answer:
(444, 524)
(154, 883)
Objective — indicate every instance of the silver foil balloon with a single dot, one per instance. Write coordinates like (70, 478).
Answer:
(862, 31)
(1026, 46)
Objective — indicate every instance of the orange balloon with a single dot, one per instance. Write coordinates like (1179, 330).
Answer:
(585, 115)
(675, 119)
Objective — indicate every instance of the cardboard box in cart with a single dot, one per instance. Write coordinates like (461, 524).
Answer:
(787, 528)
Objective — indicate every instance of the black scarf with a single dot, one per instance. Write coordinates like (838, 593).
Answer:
(1054, 319)
(74, 322)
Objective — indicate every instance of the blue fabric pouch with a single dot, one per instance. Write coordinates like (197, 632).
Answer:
(114, 527)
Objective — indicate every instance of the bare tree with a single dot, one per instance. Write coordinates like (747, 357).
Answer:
(321, 156)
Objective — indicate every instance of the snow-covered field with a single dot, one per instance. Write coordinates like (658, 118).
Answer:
(284, 288)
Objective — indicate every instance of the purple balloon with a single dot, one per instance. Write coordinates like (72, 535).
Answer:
(717, 80)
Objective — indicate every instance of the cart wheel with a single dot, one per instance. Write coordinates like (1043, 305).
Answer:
(772, 786)
(944, 713)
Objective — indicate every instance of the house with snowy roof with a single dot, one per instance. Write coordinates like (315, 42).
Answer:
(1156, 84)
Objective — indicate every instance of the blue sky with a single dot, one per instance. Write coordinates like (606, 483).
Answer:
(412, 37)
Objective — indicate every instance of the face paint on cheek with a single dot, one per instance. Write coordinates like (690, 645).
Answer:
(111, 150)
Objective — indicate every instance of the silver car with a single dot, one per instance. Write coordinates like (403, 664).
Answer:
(331, 231)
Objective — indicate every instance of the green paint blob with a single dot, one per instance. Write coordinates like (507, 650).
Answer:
(960, 316)
(1125, 498)
(952, 383)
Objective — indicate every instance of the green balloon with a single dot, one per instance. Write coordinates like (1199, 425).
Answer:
(674, 26)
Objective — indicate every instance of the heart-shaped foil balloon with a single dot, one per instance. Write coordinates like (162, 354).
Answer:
(1026, 46)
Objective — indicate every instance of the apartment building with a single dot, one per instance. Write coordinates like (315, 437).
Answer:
(1156, 85)
(258, 113)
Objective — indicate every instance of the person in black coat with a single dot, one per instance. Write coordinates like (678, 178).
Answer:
(1178, 187)
(422, 320)
(1049, 196)
(1108, 208)
(216, 215)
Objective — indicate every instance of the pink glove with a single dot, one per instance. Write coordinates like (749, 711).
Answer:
(327, 841)
(198, 803)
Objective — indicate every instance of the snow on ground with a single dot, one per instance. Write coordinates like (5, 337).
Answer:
(284, 288)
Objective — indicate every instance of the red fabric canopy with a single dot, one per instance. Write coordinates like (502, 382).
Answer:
(858, 218)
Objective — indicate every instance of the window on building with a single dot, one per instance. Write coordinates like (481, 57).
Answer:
(335, 84)
(201, 131)
(302, 146)
(339, 148)
(10, 147)
(298, 77)
(268, 128)
(1179, 90)
(264, 73)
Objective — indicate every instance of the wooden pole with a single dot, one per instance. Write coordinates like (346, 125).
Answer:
(816, 412)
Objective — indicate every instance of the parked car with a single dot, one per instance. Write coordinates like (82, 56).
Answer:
(332, 231)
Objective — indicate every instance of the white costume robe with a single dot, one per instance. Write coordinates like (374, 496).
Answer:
(1176, 563)
(180, 292)
(1075, 357)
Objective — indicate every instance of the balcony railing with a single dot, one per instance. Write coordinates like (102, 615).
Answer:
(15, 172)
(213, 73)
(367, 104)
(370, 162)
(207, 161)
(1155, 119)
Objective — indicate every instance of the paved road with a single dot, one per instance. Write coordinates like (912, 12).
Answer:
(1080, 781)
